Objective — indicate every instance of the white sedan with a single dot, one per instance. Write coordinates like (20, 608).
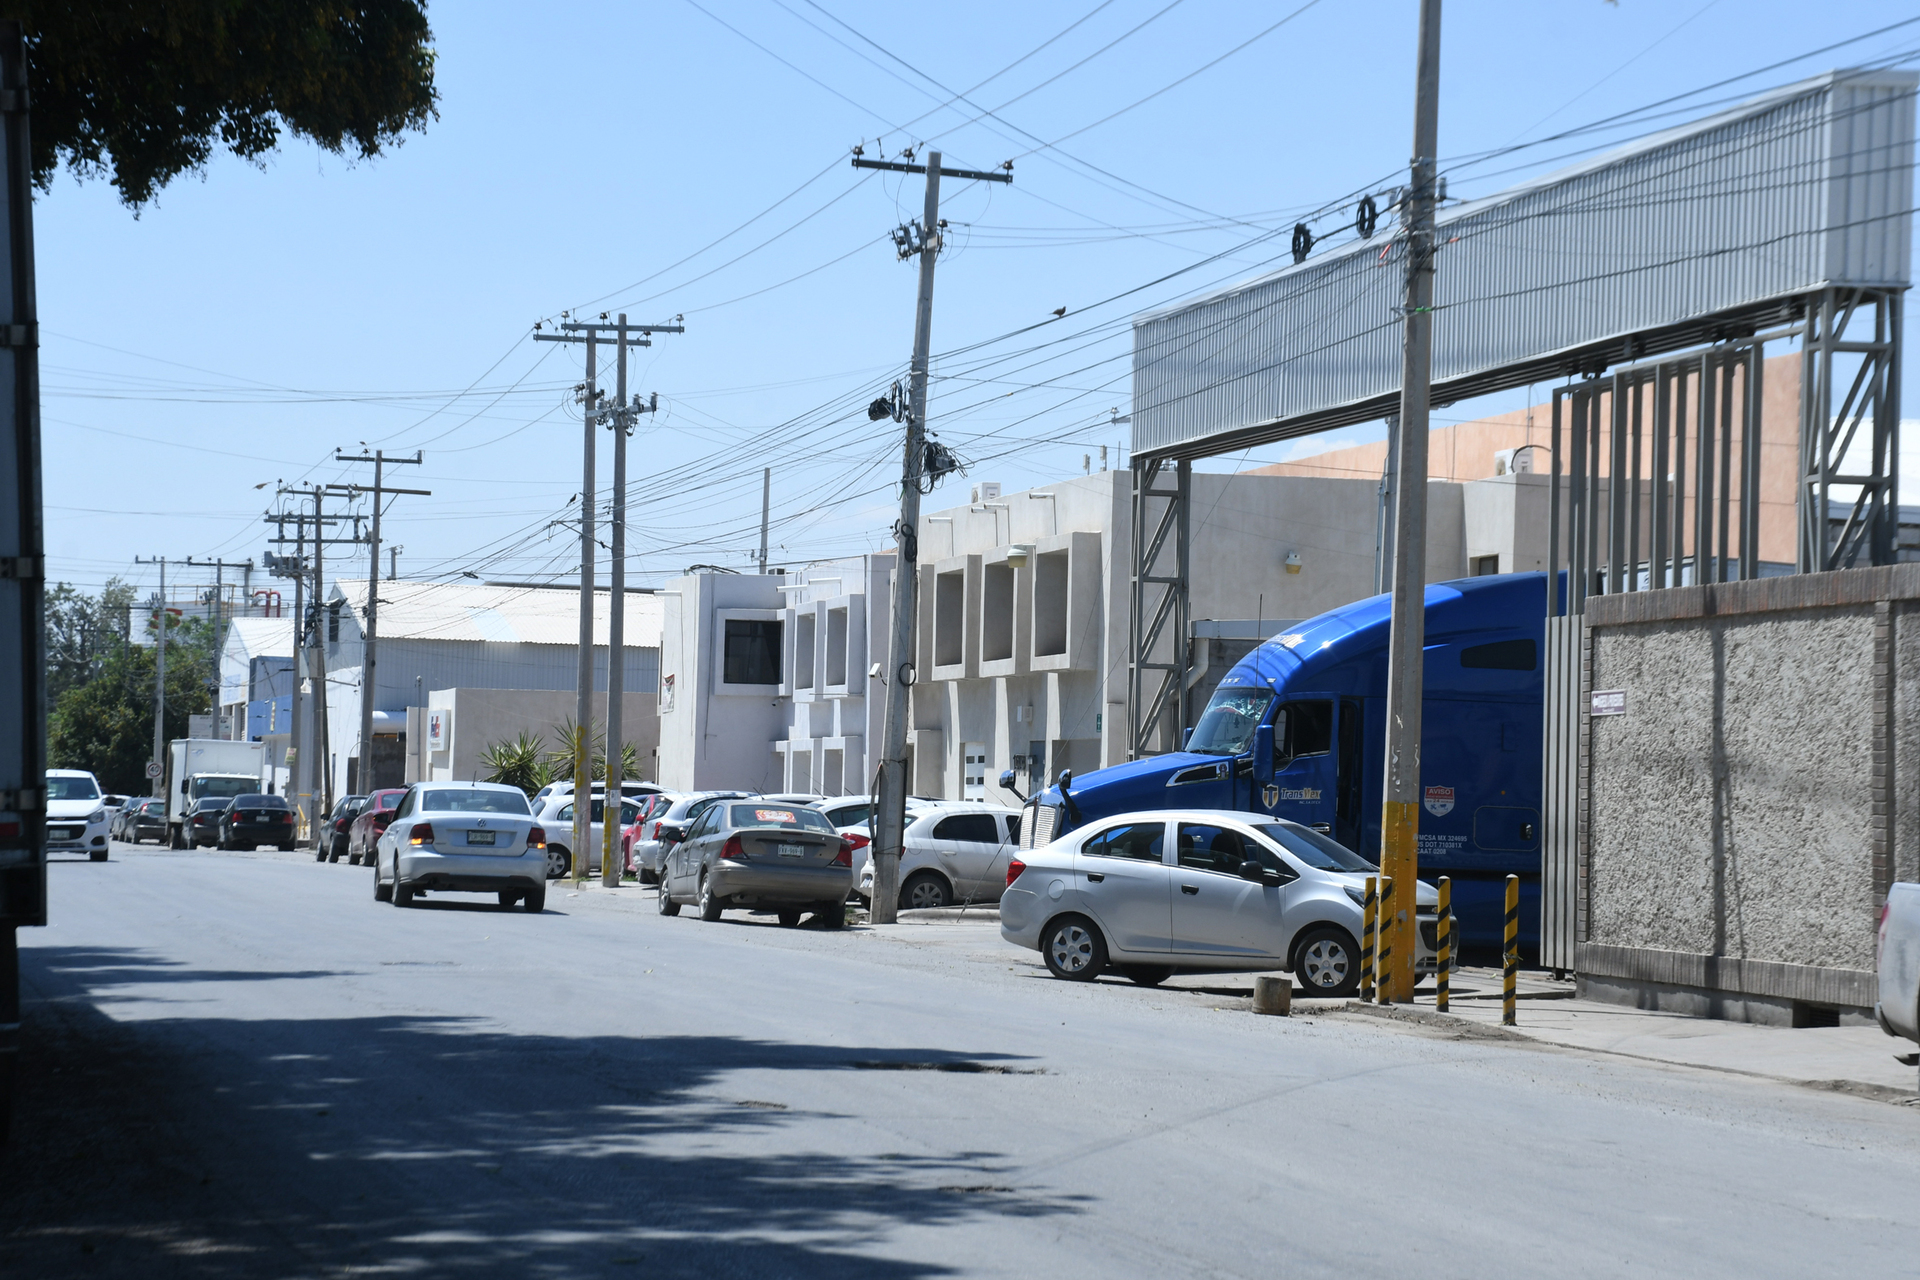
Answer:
(77, 814)
(556, 813)
(1199, 891)
(463, 837)
(952, 853)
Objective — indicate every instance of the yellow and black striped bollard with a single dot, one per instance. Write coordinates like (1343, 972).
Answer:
(1511, 977)
(1369, 916)
(1383, 935)
(1443, 946)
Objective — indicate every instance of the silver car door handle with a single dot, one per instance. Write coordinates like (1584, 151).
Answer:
(1190, 888)
(1095, 876)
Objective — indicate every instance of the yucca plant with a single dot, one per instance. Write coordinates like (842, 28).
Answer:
(522, 762)
(560, 759)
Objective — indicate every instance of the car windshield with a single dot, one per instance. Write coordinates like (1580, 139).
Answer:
(1226, 728)
(475, 801)
(72, 789)
(788, 817)
(1322, 853)
(225, 788)
(259, 802)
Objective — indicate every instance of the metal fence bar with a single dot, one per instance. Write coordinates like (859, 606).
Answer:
(1659, 550)
(1616, 492)
(1751, 425)
(1554, 606)
(1703, 548)
(1638, 385)
(1725, 469)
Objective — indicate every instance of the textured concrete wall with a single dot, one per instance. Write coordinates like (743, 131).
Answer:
(1732, 803)
(1906, 741)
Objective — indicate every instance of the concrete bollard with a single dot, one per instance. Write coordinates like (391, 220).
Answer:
(1383, 938)
(1510, 977)
(1443, 946)
(1273, 996)
(1369, 917)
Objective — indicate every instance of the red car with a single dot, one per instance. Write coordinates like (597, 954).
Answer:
(367, 829)
(651, 807)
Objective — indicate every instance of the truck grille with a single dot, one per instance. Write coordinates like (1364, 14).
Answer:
(1039, 832)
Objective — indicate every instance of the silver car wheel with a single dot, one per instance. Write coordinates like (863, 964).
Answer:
(926, 893)
(1324, 963)
(556, 863)
(1072, 948)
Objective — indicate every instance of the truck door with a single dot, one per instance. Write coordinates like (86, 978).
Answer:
(1305, 786)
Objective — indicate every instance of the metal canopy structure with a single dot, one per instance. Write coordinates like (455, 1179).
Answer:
(1787, 219)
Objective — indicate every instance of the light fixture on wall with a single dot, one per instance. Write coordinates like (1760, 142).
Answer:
(1019, 554)
(1293, 562)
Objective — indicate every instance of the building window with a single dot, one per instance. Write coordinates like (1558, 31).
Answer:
(752, 652)
(974, 778)
(802, 650)
(1486, 566)
(333, 622)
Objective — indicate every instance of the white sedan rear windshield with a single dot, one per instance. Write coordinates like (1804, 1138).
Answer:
(451, 801)
(788, 817)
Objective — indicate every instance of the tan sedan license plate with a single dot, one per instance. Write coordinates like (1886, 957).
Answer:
(480, 837)
(793, 850)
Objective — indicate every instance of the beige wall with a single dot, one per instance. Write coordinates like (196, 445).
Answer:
(482, 717)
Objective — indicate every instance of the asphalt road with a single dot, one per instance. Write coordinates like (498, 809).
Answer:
(241, 1065)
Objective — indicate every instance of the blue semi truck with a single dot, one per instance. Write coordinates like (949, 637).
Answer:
(1298, 729)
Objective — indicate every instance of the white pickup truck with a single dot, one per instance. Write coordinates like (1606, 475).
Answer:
(1898, 963)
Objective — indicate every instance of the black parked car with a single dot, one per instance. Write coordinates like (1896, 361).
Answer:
(203, 821)
(147, 821)
(333, 837)
(251, 821)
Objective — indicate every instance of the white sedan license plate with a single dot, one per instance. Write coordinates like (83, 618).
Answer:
(793, 850)
(480, 837)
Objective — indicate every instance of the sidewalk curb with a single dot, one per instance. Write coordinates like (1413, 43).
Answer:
(1467, 1027)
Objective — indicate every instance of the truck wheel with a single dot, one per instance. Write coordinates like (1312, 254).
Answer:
(1073, 949)
(1327, 962)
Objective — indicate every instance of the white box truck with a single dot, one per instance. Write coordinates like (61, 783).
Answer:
(200, 767)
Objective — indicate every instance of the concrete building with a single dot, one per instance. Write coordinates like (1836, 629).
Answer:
(256, 678)
(440, 639)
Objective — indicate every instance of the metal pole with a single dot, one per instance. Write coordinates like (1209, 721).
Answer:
(160, 688)
(766, 509)
(322, 776)
(1443, 946)
(296, 729)
(583, 695)
(616, 627)
(1400, 818)
(890, 821)
(364, 783)
(1510, 953)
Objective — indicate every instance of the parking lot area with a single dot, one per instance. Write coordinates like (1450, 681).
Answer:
(242, 1065)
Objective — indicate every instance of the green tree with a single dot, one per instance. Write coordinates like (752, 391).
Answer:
(143, 92)
(105, 723)
(82, 631)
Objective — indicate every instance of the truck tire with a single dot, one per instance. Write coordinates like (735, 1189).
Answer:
(1326, 960)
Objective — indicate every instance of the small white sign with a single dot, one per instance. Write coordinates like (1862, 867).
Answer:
(153, 769)
(1609, 702)
(439, 729)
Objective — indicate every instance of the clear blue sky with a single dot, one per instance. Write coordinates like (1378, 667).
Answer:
(253, 320)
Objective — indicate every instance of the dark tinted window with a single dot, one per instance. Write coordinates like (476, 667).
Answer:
(1013, 828)
(753, 651)
(1204, 847)
(978, 827)
(1501, 655)
(1309, 730)
(1140, 841)
(259, 802)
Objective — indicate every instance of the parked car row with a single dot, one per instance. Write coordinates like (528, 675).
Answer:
(240, 822)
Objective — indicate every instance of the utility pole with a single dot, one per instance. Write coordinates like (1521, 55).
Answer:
(219, 618)
(160, 679)
(923, 238)
(623, 416)
(1400, 817)
(766, 509)
(311, 771)
(591, 415)
(368, 687)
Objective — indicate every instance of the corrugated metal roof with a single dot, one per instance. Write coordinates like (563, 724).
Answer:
(1808, 186)
(506, 615)
(260, 637)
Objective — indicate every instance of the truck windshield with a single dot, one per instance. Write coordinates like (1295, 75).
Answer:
(1322, 853)
(225, 788)
(1226, 728)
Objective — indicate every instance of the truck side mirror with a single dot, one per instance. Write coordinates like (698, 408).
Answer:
(1263, 754)
(1186, 736)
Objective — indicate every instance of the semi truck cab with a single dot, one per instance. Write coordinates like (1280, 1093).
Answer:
(1297, 729)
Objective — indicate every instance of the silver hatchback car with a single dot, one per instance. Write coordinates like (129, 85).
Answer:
(466, 837)
(1199, 891)
(757, 853)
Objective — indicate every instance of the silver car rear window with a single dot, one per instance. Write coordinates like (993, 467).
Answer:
(451, 801)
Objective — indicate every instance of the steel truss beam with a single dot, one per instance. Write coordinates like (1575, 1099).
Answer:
(1161, 552)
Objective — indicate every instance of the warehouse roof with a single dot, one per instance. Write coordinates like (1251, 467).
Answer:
(504, 614)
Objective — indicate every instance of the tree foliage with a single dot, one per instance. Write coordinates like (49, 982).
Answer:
(520, 763)
(143, 92)
(82, 630)
(103, 720)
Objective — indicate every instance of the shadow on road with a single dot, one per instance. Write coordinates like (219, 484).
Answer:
(226, 1148)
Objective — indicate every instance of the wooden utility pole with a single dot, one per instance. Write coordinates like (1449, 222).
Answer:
(1400, 818)
(363, 784)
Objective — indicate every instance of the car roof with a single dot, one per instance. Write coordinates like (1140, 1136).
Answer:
(471, 786)
(68, 773)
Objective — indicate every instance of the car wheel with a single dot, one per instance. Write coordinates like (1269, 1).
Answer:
(382, 891)
(1148, 975)
(534, 901)
(287, 847)
(319, 853)
(333, 852)
(709, 905)
(508, 897)
(1074, 949)
(98, 855)
(402, 893)
(648, 877)
(1328, 963)
(558, 862)
(831, 915)
(924, 890)
(668, 907)
(789, 917)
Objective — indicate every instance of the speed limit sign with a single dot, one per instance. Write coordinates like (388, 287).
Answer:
(153, 768)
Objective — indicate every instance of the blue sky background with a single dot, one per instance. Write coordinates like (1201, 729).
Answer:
(592, 156)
